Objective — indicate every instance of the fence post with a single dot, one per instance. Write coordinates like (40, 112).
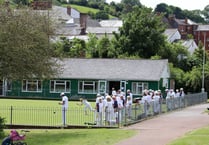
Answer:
(11, 115)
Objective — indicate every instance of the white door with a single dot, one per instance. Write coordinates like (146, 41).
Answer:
(102, 87)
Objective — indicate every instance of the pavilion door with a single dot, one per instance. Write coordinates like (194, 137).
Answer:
(102, 87)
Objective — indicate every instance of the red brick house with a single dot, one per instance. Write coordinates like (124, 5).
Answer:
(201, 34)
(184, 26)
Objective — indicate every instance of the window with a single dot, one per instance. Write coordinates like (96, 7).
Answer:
(138, 87)
(31, 86)
(88, 87)
(57, 86)
(9, 85)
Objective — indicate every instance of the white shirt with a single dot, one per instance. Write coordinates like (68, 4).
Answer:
(85, 102)
(109, 106)
(65, 102)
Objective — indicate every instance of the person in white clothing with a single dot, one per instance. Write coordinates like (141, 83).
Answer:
(113, 92)
(130, 95)
(121, 107)
(99, 117)
(64, 104)
(109, 111)
(144, 102)
(156, 99)
(181, 96)
(87, 105)
(129, 107)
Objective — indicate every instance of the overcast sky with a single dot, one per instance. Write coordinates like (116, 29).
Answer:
(183, 4)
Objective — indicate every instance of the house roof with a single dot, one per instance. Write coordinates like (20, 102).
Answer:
(172, 34)
(57, 13)
(114, 69)
(102, 30)
(111, 23)
(190, 45)
(203, 28)
(185, 22)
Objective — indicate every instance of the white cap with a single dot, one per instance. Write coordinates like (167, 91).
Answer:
(62, 94)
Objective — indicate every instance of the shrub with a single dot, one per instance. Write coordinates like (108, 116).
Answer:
(2, 126)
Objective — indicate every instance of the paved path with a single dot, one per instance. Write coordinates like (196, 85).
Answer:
(164, 128)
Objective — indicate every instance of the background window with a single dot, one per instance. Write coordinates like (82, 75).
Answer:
(31, 86)
(88, 87)
(58, 86)
(138, 87)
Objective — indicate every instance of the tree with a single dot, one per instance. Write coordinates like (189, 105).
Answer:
(2, 126)
(141, 33)
(195, 15)
(128, 5)
(102, 15)
(175, 53)
(177, 74)
(24, 45)
(163, 8)
(205, 12)
(77, 49)
(92, 47)
(193, 79)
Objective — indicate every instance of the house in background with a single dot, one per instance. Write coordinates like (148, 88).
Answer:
(190, 44)
(87, 77)
(172, 35)
(202, 35)
(184, 26)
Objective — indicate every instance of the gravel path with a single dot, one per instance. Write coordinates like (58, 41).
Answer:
(164, 128)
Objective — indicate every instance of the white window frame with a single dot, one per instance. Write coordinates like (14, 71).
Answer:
(8, 85)
(102, 86)
(60, 86)
(138, 87)
(36, 86)
(84, 85)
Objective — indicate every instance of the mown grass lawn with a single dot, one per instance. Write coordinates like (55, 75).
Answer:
(197, 137)
(86, 10)
(48, 112)
(65, 136)
(77, 136)
(42, 112)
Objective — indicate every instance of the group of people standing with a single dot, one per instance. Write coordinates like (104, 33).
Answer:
(113, 108)
(152, 100)
(174, 99)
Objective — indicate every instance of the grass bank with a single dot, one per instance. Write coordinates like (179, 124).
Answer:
(77, 136)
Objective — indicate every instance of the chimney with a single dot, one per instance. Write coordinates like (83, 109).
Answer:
(69, 10)
(186, 21)
(83, 22)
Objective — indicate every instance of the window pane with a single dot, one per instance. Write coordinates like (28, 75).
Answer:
(32, 85)
(68, 86)
(88, 87)
(60, 86)
(134, 88)
(80, 88)
(52, 88)
(24, 85)
(39, 86)
(9, 85)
